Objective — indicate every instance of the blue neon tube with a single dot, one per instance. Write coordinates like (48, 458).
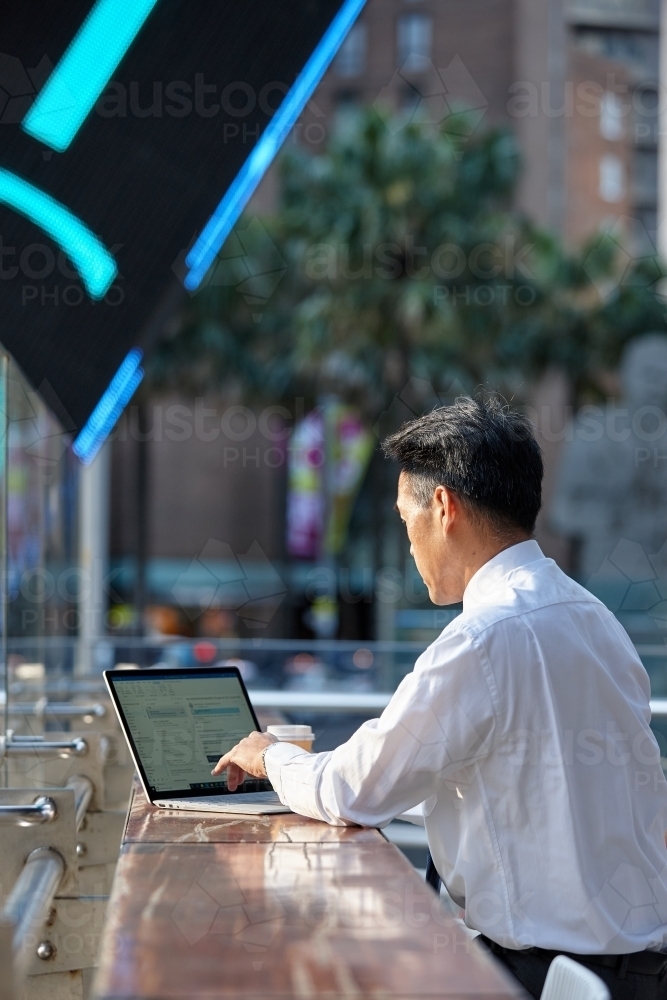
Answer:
(69, 94)
(89, 256)
(219, 226)
(112, 403)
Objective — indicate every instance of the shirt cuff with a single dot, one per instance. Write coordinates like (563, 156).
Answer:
(274, 758)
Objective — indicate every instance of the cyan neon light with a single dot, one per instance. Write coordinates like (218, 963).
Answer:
(69, 94)
(114, 400)
(219, 226)
(89, 256)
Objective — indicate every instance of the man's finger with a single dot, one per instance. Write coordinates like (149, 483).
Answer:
(222, 763)
(235, 777)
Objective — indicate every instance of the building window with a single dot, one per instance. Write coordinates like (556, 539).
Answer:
(645, 177)
(638, 50)
(647, 235)
(612, 178)
(347, 99)
(645, 105)
(611, 116)
(413, 42)
(351, 58)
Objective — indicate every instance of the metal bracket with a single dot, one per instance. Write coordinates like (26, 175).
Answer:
(34, 718)
(31, 763)
(73, 931)
(17, 842)
(100, 836)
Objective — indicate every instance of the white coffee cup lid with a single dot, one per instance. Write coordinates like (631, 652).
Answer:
(291, 732)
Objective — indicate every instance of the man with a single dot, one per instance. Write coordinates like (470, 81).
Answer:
(523, 729)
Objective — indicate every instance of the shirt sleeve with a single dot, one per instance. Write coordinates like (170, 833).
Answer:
(439, 721)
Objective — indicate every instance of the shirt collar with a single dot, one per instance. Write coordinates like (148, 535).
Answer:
(487, 585)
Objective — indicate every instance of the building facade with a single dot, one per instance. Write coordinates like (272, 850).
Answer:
(576, 81)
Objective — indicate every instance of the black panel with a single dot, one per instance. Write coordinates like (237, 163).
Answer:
(145, 183)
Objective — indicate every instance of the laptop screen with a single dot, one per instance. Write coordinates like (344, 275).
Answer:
(179, 725)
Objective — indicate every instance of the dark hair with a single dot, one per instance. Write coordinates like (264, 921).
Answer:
(483, 451)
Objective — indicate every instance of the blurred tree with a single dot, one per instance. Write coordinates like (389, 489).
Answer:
(395, 257)
(395, 254)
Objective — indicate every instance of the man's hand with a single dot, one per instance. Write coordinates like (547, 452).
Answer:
(245, 758)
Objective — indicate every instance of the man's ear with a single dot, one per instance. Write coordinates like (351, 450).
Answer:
(447, 506)
(441, 501)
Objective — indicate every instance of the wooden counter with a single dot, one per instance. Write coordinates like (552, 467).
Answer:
(277, 906)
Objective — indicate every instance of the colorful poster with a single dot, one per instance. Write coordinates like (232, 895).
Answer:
(328, 456)
(305, 493)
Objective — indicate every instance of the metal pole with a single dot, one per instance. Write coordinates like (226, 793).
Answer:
(42, 810)
(59, 748)
(27, 906)
(83, 789)
(142, 515)
(4, 452)
(62, 709)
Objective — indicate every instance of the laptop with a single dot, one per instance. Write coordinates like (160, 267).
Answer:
(178, 723)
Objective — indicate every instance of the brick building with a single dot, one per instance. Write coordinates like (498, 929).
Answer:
(575, 80)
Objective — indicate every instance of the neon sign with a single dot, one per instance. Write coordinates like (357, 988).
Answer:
(85, 69)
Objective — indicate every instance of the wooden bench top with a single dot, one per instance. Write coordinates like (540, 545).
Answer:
(277, 906)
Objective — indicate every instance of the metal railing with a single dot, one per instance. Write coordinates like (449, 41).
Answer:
(354, 702)
(42, 810)
(28, 904)
(60, 709)
(23, 746)
(322, 701)
(27, 907)
(83, 789)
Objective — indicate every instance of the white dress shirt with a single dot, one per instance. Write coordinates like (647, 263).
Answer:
(524, 730)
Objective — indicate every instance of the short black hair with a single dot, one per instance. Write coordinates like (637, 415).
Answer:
(482, 450)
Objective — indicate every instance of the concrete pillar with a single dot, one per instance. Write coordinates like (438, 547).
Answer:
(538, 108)
(551, 411)
(662, 136)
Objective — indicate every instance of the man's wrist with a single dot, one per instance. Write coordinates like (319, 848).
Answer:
(264, 751)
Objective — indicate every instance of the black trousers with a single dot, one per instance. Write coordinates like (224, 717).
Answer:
(531, 970)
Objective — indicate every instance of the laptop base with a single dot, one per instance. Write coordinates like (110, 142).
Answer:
(252, 804)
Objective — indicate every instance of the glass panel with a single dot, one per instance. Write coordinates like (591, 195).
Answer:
(4, 670)
(42, 575)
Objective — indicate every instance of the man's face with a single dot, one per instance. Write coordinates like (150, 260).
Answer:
(426, 527)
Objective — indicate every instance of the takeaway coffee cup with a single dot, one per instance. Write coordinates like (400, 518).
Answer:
(300, 736)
